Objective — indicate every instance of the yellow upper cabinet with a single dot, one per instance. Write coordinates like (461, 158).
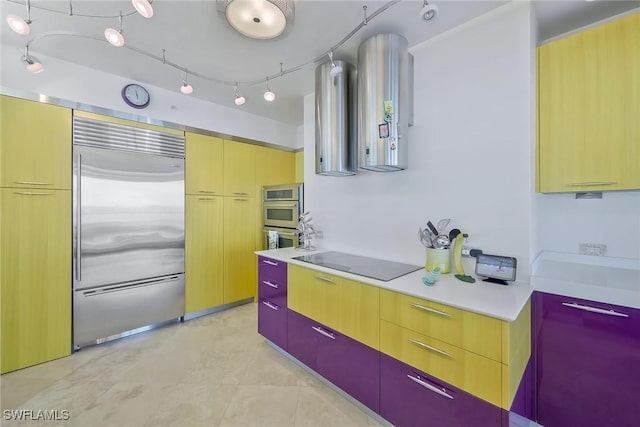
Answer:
(239, 169)
(588, 110)
(35, 144)
(274, 166)
(299, 166)
(204, 164)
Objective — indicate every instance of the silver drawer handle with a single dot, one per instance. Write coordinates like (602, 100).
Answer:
(32, 193)
(324, 279)
(428, 347)
(241, 194)
(323, 332)
(32, 183)
(266, 261)
(271, 306)
(207, 199)
(241, 200)
(270, 284)
(206, 192)
(430, 310)
(594, 309)
(429, 386)
(588, 184)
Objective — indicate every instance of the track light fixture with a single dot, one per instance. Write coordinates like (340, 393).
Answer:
(428, 12)
(33, 65)
(18, 24)
(335, 69)
(268, 95)
(240, 100)
(143, 7)
(186, 88)
(114, 36)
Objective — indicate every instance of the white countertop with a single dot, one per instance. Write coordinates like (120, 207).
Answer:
(602, 279)
(499, 301)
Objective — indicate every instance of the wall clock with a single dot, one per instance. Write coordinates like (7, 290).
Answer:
(135, 96)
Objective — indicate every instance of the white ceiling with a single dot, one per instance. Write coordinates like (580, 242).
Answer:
(195, 36)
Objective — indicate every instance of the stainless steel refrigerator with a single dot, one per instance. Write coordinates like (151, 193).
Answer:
(128, 222)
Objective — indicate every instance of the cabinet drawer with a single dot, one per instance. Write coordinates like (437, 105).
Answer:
(272, 278)
(470, 331)
(314, 294)
(471, 372)
(272, 322)
(409, 397)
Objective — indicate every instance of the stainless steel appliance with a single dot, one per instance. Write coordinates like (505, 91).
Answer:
(363, 266)
(281, 209)
(336, 119)
(128, 197)
(385, 106)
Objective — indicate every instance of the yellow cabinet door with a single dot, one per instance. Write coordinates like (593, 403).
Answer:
(299, 176)
(239, 169)
(588, 110)
(274, 166)
(347, 306)
(35, 144)
(314, 294)
(240, 275)
(471, 331)
(204, 164)
(203, 252)
(35, 276)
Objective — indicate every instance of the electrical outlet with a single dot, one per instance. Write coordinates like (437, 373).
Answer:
(596, 249)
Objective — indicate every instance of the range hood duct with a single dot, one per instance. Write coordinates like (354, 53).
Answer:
(384, 102)
(336, 115)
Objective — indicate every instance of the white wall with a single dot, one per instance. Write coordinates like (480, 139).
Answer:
(89, 86)
(469, 154)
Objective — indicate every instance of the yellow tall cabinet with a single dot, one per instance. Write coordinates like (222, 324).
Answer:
(588, 110)
(240, 211)
(204, 212)
(35, 233)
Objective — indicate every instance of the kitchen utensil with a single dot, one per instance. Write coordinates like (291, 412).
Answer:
(442, 242)
(453, 234)
(432, 228)
(442, 224)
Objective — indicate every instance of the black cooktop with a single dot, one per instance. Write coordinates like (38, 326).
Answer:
(363, 266)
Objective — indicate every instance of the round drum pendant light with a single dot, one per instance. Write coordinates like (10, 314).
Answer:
(259, 19)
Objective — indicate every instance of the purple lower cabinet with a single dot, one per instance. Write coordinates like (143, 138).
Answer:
(348, 364)
(587, 363)
(302, 340)
(523, 401)
(409, 397)
(351, 365)
(272, 322)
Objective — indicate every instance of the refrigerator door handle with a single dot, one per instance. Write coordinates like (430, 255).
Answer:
(127, 286)
(79, 222)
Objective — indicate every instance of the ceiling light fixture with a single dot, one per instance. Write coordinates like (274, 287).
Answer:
(268, 95)
(258, 19)
(33, 65)
(114, 36)
(143, 7)
(186, 88)
(240, 100)
(428, 12)
(18, 24)
(335, 69)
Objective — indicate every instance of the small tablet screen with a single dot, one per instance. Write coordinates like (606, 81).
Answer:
(495, 266)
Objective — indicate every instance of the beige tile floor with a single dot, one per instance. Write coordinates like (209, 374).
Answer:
(215, 370)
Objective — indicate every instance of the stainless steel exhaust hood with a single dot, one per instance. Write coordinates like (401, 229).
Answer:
(336, 115)
(384, 102)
